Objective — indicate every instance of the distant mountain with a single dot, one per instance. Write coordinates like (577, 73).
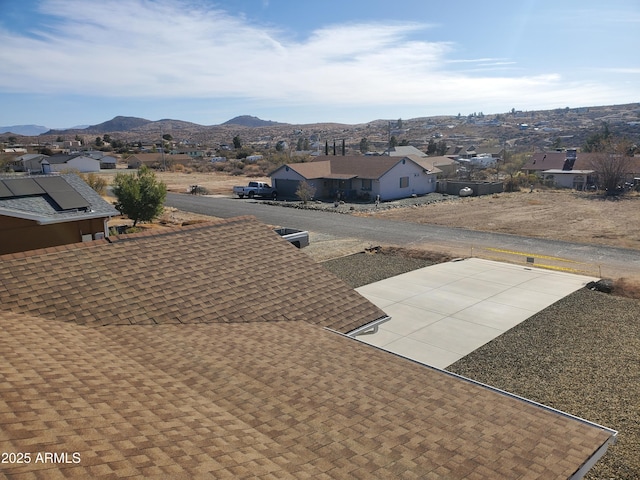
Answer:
(28, 130)
(249, 121)
(117, 124)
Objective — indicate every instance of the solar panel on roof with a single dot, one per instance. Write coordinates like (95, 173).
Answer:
(23, 186)
(4, 191)
(62, 193)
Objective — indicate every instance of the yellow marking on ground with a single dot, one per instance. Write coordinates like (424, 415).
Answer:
(522, 254)
(539, 265)
(562, 269)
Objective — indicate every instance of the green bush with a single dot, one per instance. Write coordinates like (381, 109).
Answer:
(140, 195)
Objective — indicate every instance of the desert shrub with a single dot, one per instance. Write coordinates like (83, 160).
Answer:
(204, 167)
(199, 190)
(124, 230)
(178, 168)
(98, 183)
(625, 287)
(305, 191)
(140, 195)
(512, 185)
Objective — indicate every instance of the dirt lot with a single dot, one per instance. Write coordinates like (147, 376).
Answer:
(554, 214)
(215, 183)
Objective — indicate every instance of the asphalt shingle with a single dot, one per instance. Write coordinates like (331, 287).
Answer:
(228, 271)
(198, 352)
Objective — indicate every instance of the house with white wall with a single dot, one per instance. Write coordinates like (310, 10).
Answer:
(576, 179)
(78, 162)
(356, 178)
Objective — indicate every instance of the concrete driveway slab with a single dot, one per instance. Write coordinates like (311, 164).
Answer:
(420, 352)
(408, 319)
(495, 315)
(442, 313)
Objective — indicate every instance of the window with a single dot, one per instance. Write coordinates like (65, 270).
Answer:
(404, 182)
(367, 184)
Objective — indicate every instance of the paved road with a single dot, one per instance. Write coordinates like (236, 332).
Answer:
(390, 232)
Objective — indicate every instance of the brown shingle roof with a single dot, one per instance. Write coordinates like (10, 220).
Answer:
(192, 354)
(541, 161)
(234, 270)
(270, 400)
(340, 167)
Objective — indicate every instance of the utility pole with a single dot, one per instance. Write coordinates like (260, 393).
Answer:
(164, 164)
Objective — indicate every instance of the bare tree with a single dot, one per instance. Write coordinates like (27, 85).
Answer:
(612, 166)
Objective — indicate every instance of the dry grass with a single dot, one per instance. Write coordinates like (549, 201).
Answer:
(216, 183)
(553, 214)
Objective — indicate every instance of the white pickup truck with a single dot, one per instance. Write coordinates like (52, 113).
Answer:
(255, 189)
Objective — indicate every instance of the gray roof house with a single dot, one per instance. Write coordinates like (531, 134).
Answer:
(75, 161)
(356, 177)
(106, 160)
(29, 162)
(49, 210)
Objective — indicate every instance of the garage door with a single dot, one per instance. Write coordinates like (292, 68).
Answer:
(286, 188)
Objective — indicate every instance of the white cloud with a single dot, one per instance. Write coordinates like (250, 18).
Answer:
(169, 49)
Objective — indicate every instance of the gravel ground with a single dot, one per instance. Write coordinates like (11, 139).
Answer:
(580, 355)
(351, 207)
(364, 268)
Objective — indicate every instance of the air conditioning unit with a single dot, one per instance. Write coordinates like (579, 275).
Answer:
(98, 236)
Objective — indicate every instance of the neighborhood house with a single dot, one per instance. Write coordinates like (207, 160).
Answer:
(49, 210)
(356, 178)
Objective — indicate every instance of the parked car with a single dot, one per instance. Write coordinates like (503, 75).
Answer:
(255, 189)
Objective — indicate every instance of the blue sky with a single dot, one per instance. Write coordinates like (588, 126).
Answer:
(73, 62)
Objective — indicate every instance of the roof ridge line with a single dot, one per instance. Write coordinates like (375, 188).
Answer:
(178, 229)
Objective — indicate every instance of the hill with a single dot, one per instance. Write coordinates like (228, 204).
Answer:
(522, 131)
(249, 121)
(117, 124)
(27, 130)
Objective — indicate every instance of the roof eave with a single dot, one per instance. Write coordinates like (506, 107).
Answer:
(42, 220)
(593, 459)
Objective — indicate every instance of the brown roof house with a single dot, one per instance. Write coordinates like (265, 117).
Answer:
(176, 354)
(48, 210)
(442, 166)
(356, 177)
(572, 169)
(571, 159)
